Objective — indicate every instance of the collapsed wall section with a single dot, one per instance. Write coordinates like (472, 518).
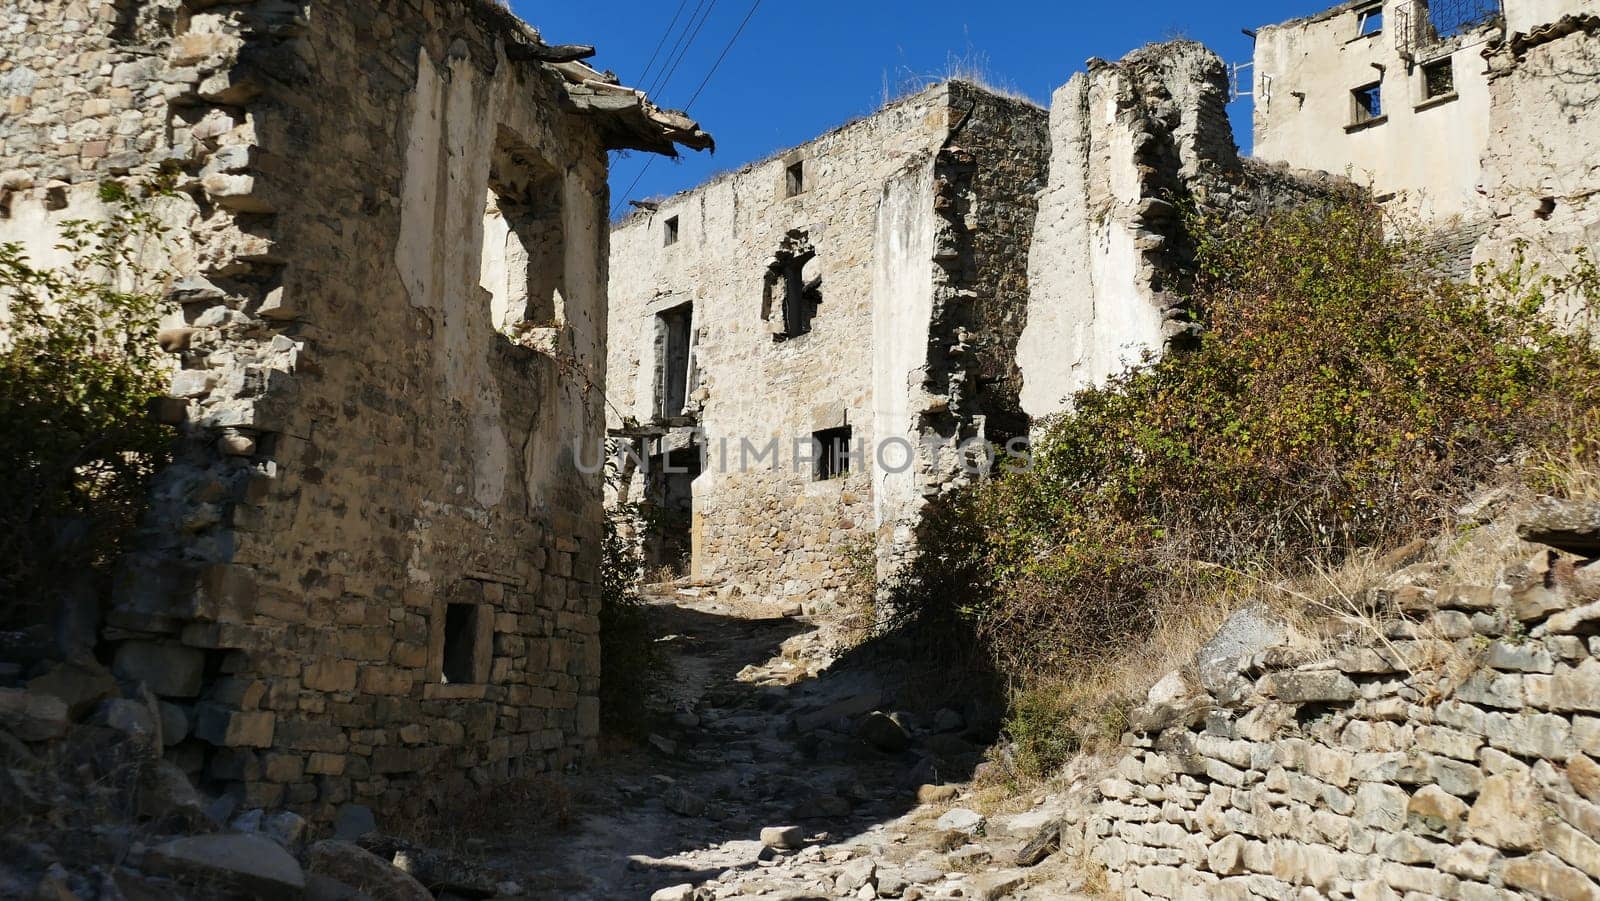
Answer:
(1132, 144)
(373, 563)
(1541, 169)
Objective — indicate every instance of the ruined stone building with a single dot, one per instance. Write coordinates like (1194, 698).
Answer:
(374, 557)
(864, 290)
(1474, 117)
(791, 299)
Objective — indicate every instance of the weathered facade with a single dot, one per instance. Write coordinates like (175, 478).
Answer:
(1132, 143)
(374, 557)
(1396, 95)
(864, 290)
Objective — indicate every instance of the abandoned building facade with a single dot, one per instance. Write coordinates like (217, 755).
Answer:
(369, 561)
(800, 348)
(790, 300)
(374, 558)
(1472, 117)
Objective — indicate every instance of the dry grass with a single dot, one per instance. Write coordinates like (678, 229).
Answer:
(971, 66)
(1324, 609)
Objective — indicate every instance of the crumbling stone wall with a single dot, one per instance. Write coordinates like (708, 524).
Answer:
(375, 554)
(1541, 170)
(1132, 142)
(918, 216)
(1448, 753)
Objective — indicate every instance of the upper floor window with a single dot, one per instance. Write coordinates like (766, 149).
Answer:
(669, 232)
(1438, 79)
(1370, 20)
(793, 290)
(794, 178)
(1366, 104)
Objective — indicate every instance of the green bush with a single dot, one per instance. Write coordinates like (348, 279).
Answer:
(1339, 395)
(79, 366)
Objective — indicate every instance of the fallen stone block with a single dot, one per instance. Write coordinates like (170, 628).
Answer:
(31, 716)
(249, 864)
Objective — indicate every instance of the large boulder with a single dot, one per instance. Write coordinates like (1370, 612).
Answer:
(364, 871)
(1243, 635)
(248, 864)
(32, 716)
(1571, 526)
(81, 684)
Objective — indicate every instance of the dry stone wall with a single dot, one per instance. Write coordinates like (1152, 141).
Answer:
(374, 558)
(1449, 754)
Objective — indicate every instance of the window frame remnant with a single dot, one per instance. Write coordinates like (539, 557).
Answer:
(1369, 21)
(794, 178)
(831, 459)
(669, 231)
(1442, 89)
(791, 302)
(1366, 105)
(675, 373)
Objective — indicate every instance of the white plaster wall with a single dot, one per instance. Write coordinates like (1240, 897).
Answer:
(775, 533)
(1525, 15)
(902, 307)
(1426, 154)
(456, 113)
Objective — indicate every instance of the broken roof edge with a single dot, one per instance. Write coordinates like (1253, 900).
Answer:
(625, 117)
(745, 169)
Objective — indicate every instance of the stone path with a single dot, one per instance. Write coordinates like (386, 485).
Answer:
(766, 734)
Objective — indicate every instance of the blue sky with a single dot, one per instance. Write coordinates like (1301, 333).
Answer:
(801, 68)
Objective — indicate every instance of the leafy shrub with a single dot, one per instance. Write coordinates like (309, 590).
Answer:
(1339, 395)
(79, 366)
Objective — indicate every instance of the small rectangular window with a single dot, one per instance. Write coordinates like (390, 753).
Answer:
(794, 178)
(1438, 79)
(1366, 103)
(832, 448)
(669, 232)
(1371, 20)
(462, 663)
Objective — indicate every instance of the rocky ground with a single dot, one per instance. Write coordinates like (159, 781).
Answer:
(771, 769)
(784, 775)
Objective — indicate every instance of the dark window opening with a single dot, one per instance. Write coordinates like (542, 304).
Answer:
(832, 449)
(460, 643)
(1438, 79)
(1367, 103)
(1371, 20)
(670, 232)
(669, 510)
(673, 331)
(794, 178)
(793, 290)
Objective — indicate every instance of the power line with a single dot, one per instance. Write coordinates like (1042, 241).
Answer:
(662, 87)
(718, 64)
(677, 45)
(727, 48)
(645, 72)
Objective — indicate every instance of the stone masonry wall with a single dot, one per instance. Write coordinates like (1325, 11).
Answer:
(1541, 170)
(1448, 753)
(374, 557)
(1131, 142)
(882, 203)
